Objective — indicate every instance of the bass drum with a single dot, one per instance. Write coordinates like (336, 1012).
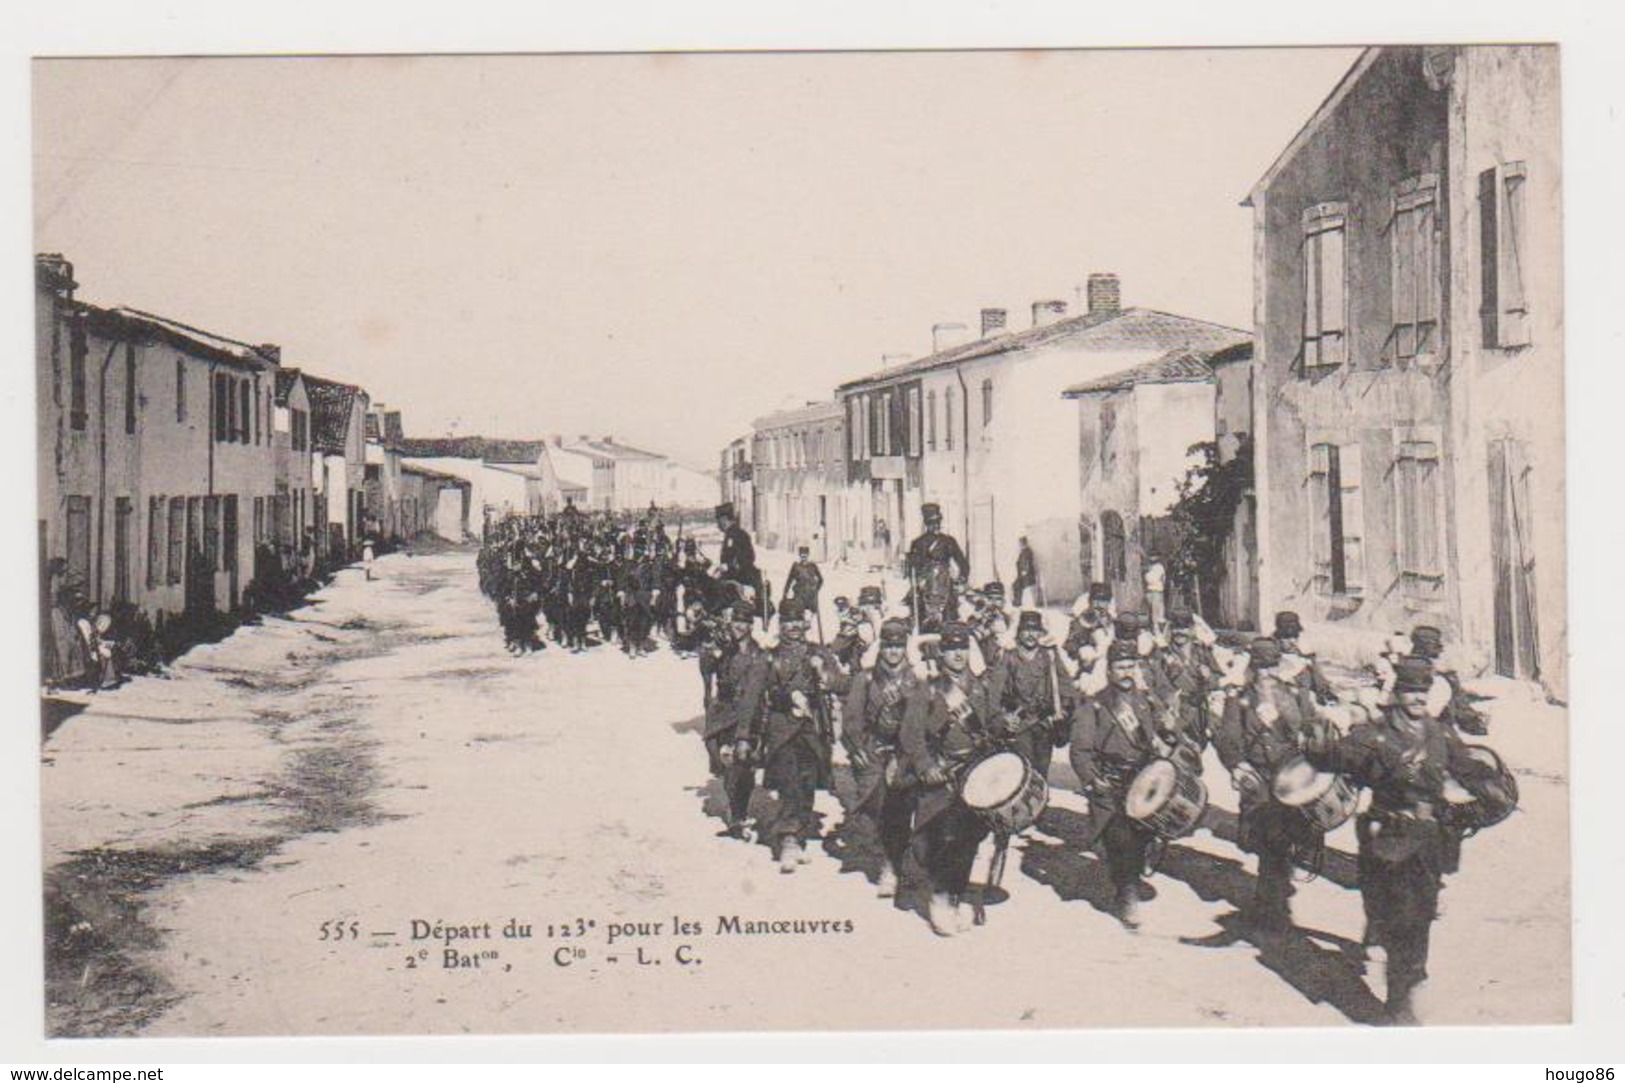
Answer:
(1167, 798)
(1487, 787)
(1325, 800)
(1004, 790)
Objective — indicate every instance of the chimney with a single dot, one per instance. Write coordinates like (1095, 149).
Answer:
(608, 439)
(945, 336)
(1105, 294)
(994, 321)
(1047, 312)
(270, 351)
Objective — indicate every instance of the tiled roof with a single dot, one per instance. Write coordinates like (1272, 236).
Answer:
(614, 449)
(1174, 367)
(331, 404)
(812, 413)
(285, 379)
(423, 471)
(209, 339)
(473, 447)
(1127, 329)
(128, 324)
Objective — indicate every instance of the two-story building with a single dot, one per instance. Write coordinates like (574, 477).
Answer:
(1409, 364)
(339, 444)
(800, 480)
(295, 508)
(983, 430)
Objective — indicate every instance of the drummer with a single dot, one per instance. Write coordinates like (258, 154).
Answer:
(872, 719)
(1407, 835)
(1257, 734)
(946, 726)
(1182, 672)
(1298, 664)
(1114, 736)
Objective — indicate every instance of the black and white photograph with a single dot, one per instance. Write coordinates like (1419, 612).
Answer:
(680, 542)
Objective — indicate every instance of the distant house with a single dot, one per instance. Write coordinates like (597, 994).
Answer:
(1409, 366)
(799, 479)
(735, 484)
(1135, 431)
(440, 501)
(505, 477)
(157, 461)
(623, 477)
(982, 430)
(338, 440)
(294, 509)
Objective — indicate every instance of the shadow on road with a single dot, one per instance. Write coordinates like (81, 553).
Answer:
(1331, 974)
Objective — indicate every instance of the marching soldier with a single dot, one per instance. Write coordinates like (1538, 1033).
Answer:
(1091, 624)
(872, 721)
(1115, 734)
(1406, 836)
(1298, 664)
(801, 586)
(1427, 643)
(1260, 730)
(946, 724)
(795, 733)
(936, 567)
(1034, 702)
(729, 717)
(1183, 674)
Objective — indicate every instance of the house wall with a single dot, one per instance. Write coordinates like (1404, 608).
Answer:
(1504, 107)
(1233, 421)
(292, 470)
(1391, 126)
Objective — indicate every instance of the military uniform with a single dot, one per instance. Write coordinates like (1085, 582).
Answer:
(1034, 703)
(729, 720)
(1262, 728)
(1409, 835)
(872, 722)
(801, 587)
(935, 565)
(946, 727)
(1115, 734)
(789, 690)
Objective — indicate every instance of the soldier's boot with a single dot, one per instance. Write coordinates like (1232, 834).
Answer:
(941, 912)
(886, 886)
(1127, 906)
(977, 895)
(788, 854)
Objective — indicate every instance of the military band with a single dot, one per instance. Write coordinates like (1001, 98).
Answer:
(947, 707)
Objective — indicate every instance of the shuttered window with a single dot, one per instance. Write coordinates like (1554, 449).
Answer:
(1413, 237)
(1325, 294)
(1503, 246)
(1416, 500)
(157, 527)
(1336, 518)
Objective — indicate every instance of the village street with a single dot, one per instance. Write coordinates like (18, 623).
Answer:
(248, 845)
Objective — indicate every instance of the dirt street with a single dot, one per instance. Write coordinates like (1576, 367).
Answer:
(249, 846)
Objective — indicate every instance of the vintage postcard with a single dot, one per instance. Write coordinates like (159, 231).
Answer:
(537, 544)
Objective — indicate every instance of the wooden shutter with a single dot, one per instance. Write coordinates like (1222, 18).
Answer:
(1352, 509)
(1511, 217)
(1320, 515)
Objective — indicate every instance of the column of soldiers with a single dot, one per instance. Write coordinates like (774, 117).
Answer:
(921, 696)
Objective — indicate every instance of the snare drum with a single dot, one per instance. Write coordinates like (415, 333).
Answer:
(1325, 800)
(1004, 790)
(1494, 790)
(1167, 798)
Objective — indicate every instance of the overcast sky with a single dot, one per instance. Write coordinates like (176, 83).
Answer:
(655, 247)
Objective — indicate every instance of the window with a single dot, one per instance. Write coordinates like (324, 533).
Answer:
(915, 422)
(222, 407)
(129, 388)
(1503, 309)
(259, 419)
(78, 400)
(156, 525)
(931, 421)
(180, 391)
(79, 543)
(177, 538)
(243, 414)
(1114, 547)
(123, 519)
(1324, 296)
(948, 419)
(987, 402)
(259, 518)
(1416, 499)
(1336, 518)
(1108, 438)
(211, 532)
(1414, 256)
(301, 430)
(854, 425)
